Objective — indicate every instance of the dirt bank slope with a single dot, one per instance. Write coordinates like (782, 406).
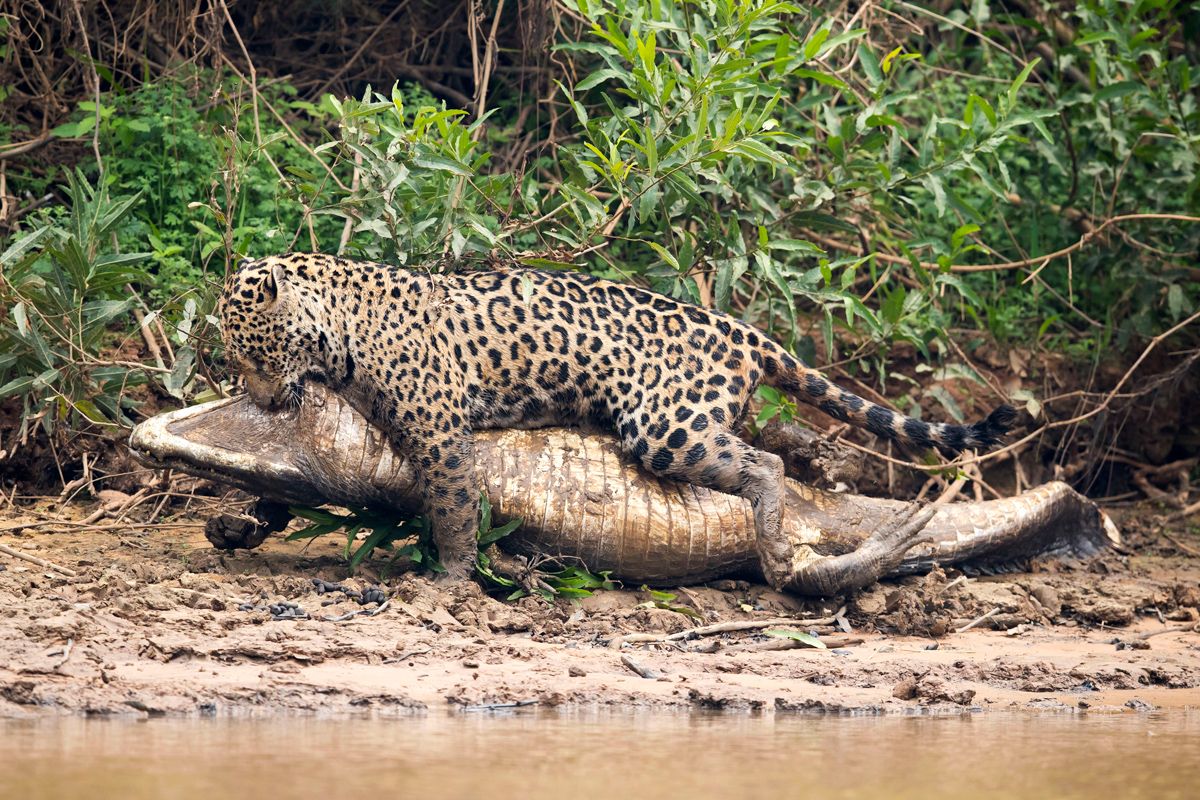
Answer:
(157, 622)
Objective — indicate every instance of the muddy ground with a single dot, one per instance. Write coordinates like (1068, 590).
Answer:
(157, 622)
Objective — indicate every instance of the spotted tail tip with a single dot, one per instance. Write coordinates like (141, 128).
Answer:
(987, 432)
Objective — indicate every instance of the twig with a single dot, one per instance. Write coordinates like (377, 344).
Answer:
(721, 627)
(957, 581)
(1193, 627)
(406, 656)
(41, 562)
(87, 49)
(1185, 512)
(1024, 262)
(500, 706)
(830, 642)
(25, 147)
(978, 620)
(1003, 451)
(258, 140)
(348, 227)
(324, 87)
(363, 612)
(66, 654)
(641, 670)
(1191, 551)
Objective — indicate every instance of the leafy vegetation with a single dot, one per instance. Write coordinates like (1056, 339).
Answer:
(368, 531)
(863, 182)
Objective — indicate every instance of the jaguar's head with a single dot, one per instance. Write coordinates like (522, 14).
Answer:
(274, 329)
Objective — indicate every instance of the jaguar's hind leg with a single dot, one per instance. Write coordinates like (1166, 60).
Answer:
(716, 459)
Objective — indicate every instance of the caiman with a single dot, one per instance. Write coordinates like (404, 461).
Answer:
(578, 498)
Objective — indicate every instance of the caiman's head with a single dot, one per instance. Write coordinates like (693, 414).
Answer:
(275, 321)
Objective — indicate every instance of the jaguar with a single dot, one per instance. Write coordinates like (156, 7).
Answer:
(431, 357)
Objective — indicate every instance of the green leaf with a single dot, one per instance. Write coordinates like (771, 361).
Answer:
(963, 231)
(315, 515)
(441, 164)
(870, 64)
(843, 38)
(21, 246)
(496, 534)
(813, 45)
(1019, 81)
(17, 386)
(485, 513)
(1119, 89)
(665, 255)
(822, 77)
(599, 76)
(934, 184)
(798, 636)
(893, 304)
(379, 536)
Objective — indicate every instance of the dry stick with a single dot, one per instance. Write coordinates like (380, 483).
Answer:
(41, 562)
(67, 523)
(721, 627)
(66, 654)
(1193, 627)
(978, 620)
(361, 49)
(25, 147)
(87, 49)
(303, 144)
(253, 86)
(1108, 398)
(830, 642)
(1185, 512)
(348, 227)
(641, 670)
(483, 75)
(1025, 262)
(1191, 551)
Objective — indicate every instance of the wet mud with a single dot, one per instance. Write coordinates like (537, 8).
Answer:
(156, 622)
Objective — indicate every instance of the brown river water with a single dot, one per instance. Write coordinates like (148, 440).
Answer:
(606, 755)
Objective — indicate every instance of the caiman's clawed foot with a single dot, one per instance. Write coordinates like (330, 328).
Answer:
(249, 530)
(880, 553)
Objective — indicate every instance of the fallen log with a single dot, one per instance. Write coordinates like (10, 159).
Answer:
(579, 498)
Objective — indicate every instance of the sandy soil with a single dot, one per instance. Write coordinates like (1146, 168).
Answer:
(157, 622)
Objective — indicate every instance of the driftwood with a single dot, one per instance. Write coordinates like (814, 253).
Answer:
(579, 498)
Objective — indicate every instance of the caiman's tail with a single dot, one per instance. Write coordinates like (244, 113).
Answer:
(808, 385)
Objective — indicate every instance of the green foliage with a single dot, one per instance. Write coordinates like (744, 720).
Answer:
(666, 601)
(421, 195)
(416, 544)
(774, 404)
(385, 532)
(63, 286)
(826, 183)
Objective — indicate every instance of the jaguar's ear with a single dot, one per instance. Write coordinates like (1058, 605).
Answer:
(273, 284)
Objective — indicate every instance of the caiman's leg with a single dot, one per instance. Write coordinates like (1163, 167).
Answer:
(874, 558)
(249, 530)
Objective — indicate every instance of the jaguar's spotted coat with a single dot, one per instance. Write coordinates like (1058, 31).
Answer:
(430, 358)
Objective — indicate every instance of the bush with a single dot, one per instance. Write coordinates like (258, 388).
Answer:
(63, 287)
(851, 183)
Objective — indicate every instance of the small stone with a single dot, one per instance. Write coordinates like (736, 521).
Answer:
(576, 672)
